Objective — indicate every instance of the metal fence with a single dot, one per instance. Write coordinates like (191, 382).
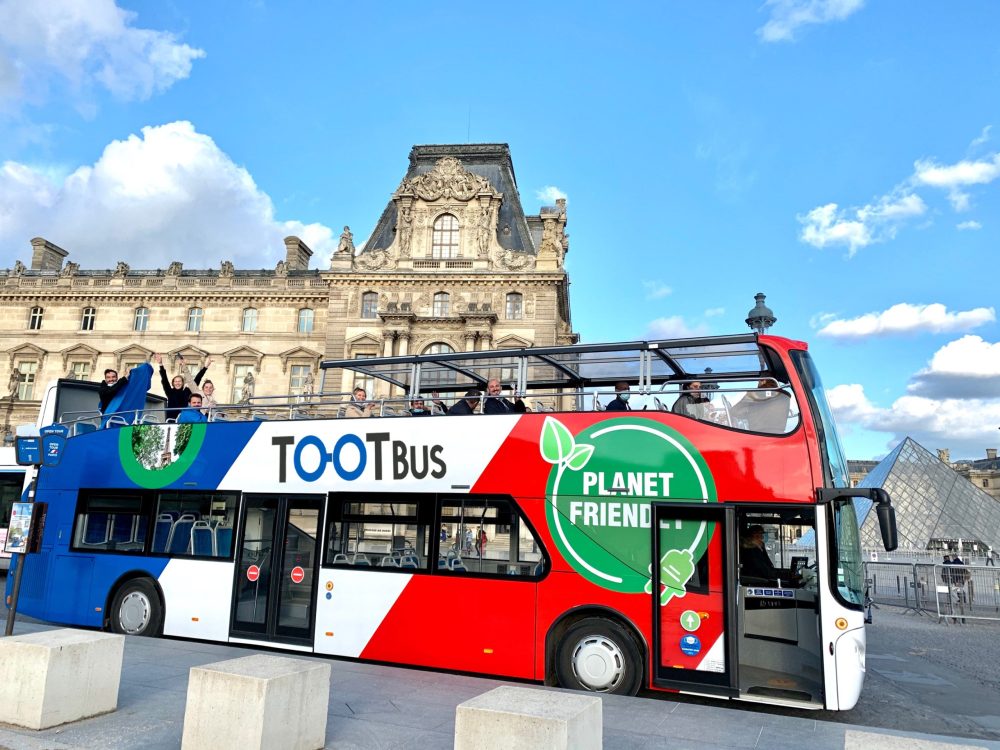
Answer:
(954, 593)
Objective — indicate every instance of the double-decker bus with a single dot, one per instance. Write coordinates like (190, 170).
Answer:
(586, 541)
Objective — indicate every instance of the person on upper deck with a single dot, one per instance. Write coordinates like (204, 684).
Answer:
(192, 414)
(763, 410)
(620, 401)
(497, 404)
(691, 403)
(467, 405)
(359, 405)
(110, 388)
(418, 408)
(176, 390)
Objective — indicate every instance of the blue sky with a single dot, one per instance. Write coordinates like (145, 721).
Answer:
(841, 156)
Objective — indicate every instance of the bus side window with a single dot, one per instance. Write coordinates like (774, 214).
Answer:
(194, 524)
(383, 532)
(486, 535)
(114, 523)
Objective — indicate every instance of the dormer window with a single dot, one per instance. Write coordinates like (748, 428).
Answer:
(444, 241)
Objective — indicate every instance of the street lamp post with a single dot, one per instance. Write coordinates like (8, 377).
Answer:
(760, 318)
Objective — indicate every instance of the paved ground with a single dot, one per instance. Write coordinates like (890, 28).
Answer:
(373, 706)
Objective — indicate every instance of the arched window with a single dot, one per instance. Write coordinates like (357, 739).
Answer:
(442, 304)
(141, 322)
(444, 241)
(369, 305)
(514, 306)
(194, 319)
(88, 318)
(35, 319)
(249, 320)
(436, 375)
(306, 319)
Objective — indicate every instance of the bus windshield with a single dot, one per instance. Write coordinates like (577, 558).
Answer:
(834, 463)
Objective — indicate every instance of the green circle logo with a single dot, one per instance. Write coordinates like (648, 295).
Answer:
(155, 455)
(599, 496)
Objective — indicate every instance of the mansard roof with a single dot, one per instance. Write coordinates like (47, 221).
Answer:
(488, 160)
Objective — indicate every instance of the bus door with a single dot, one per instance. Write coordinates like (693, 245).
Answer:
(275, 588)
(693, 613)
(780, 650)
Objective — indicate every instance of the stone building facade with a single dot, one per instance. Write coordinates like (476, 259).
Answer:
(453, 263)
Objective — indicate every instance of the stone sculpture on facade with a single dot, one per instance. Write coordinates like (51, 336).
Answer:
(448, 179)
(346, 244)
(121, 270)
(174, 269)
(226, 270)
(70, 269)
(405, 231)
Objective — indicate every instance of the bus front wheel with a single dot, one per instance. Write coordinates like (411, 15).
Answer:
(599, 655)
(136, 609)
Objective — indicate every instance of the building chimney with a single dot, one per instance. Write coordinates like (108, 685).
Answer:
(991, 453)
(297, 254)
(944, 455)
(45, 256)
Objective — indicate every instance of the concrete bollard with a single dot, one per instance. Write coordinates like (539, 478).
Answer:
(57, 676)
(259, 702)
(513, 718)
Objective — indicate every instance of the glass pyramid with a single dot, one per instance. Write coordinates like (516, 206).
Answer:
(932, 501)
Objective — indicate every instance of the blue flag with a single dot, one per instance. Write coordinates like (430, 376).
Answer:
(133, 397)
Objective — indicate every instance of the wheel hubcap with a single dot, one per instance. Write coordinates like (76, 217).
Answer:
(133, 615)
(598, 663)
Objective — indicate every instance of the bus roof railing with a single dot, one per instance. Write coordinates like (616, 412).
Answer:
(574, 366)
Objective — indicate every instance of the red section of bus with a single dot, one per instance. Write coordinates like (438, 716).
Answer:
(452, 622)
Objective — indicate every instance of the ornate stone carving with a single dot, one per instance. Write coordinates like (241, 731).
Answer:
(175, 268)
(19, 268)
(226, 270)
(121, 270)
(70, 269)
(281, 269)
(448, 179)
(375, 260)
(509, 260)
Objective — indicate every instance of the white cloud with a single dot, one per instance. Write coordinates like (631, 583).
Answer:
(953, 177)
(968, 225)
(966, 426)
(788, 16)
(968, 367)
(907, 318)
(674, 327)
(857, 228)
(167, 194)
(85, 45)
(715, 312)
(656, 289)
(982, 138)
(549, 194)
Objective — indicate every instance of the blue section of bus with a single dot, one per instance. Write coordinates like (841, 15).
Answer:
(73, 587)
(93, 461)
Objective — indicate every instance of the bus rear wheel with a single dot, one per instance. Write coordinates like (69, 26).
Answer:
(599, 655)
(136, 609)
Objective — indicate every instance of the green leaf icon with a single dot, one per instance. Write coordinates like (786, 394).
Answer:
(556, 445)
(578, 459)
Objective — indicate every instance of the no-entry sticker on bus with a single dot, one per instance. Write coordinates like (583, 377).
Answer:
(253, 573)
(297, 574)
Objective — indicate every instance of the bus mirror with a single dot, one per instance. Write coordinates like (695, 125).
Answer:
(886, 520)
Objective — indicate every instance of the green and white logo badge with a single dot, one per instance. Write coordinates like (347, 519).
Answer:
(599, 493)
(154, 455)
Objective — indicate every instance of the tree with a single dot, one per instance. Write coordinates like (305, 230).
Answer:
(147, 443)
